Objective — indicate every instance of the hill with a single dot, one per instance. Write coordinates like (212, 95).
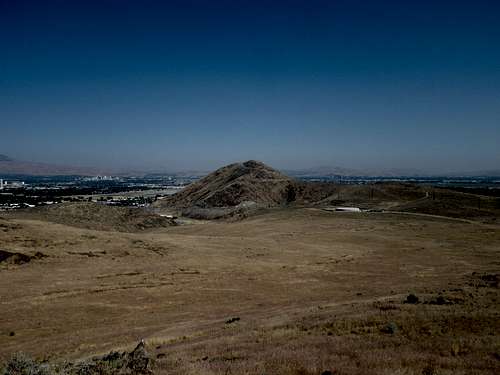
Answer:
(251, 182)
(96, 216)
(9, 166)
(456, 204)
(241, 186)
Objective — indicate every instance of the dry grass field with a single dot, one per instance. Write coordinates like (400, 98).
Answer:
(289, 291)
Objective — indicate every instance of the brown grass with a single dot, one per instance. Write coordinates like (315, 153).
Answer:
(314, 291)
(428, 339)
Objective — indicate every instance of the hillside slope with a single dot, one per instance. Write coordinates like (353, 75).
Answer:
(238, 189)
(235, 184)
(96, 216)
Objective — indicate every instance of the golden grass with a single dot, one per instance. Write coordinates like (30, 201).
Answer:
(314, 291)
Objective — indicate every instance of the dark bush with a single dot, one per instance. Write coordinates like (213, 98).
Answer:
(21, 364)
(411, 299)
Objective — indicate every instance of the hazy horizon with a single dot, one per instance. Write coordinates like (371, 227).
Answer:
(194, 85)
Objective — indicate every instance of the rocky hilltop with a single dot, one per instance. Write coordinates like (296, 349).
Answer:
(237, 183)
(240, 188)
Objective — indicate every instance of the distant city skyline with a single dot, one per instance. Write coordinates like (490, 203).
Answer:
(194, 85)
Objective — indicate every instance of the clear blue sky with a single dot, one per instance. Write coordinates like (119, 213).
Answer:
(196, 84)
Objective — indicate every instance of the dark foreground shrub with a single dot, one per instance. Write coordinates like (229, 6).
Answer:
(411, 299)
(137, 361)
(21, 364)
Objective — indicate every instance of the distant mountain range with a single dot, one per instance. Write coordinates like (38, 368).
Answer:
(391, 172)
(489, 173)
(10, 166)
(349, 172)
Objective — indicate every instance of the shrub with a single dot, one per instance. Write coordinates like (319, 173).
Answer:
(411, 299)
(21, 364)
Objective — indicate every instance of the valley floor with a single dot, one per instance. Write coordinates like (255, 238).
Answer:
(292, 291)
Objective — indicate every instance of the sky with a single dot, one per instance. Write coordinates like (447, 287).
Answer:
(193, 85)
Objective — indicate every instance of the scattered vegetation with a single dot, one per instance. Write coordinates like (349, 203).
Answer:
(412, 299)
(21, 364)
(232, 320)
(289, 292)
(137, 362)
(10, 257)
